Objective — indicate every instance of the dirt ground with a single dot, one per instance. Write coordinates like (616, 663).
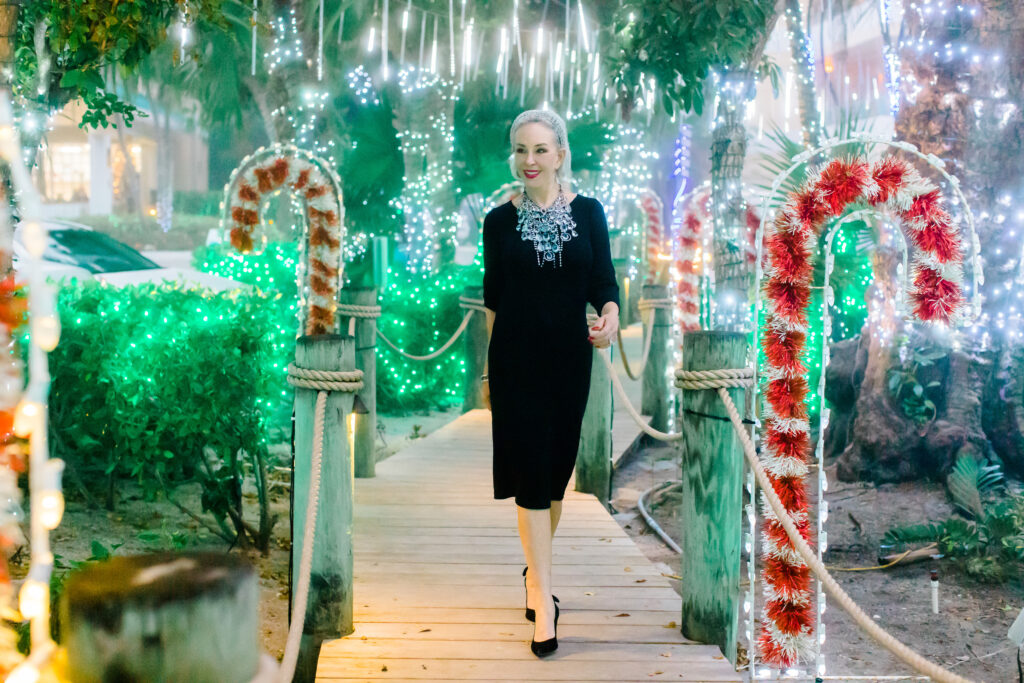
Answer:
(968, 635)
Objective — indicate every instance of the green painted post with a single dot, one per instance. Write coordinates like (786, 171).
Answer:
(655, 388)
(329, 610)
(366, 360)
(712, 503)
(476, 353)
(594, 457)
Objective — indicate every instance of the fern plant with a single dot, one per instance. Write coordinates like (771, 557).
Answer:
(989, 547)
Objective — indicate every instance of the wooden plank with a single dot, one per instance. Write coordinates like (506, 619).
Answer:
(557, 667)
(559, 571)
(591, 651)
(444, 615)
(443, 576)
(636, 633)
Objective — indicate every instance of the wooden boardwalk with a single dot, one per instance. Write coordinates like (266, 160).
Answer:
(439, 591)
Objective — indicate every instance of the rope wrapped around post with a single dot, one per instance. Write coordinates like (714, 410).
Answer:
(322, 381)
(720, 380)
(469, 304)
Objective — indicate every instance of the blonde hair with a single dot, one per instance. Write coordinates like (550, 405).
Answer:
(557, 126)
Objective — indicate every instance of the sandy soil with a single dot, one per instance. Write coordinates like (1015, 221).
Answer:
(968, 634)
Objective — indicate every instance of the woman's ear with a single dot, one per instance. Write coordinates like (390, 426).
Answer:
(561, 157)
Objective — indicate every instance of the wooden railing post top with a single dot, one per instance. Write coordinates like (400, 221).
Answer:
(714, 350)
(358, 290)
(475, 289)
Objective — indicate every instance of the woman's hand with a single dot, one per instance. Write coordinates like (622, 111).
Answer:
(485, 393)
(604, 330)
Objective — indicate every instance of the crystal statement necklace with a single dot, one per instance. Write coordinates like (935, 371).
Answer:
(548, 228)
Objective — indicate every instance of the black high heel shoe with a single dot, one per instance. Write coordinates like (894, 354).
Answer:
(546, 647)
(531, 615)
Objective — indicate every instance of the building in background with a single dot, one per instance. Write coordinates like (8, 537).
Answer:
(86, 172)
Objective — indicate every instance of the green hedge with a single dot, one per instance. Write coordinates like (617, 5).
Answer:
(419, 315)
(165, 385)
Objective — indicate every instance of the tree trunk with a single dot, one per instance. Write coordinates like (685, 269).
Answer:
(163, 617)
(164, 173)
(728, 153)
(800, 48)
(132, 182)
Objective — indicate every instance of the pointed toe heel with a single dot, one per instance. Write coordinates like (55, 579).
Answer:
(546, 647)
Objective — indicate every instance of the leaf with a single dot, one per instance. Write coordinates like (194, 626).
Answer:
(99, 551)
(963, 486)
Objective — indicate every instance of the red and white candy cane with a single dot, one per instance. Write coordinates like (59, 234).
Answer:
(653, 208)
(314, 181)
(787, 633)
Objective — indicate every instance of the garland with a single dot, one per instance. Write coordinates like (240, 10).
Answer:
(691, 235)
(311, 180)
(787, 630)
(652, 207)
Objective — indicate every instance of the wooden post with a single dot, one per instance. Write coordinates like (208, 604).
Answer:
(476, 353)
(711, 508)
(366, 360)
(162, 617)
(329, 610)
(655, 388)
(594, 458)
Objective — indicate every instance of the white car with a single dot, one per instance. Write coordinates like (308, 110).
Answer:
(75, 250)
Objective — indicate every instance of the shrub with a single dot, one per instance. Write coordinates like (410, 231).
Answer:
(167, 386)
(420, 313)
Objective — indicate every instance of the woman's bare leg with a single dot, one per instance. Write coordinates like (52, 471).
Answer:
(556, 514)
(535, 535)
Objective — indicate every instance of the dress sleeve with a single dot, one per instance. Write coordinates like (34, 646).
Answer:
(603, 287)
(493, 279)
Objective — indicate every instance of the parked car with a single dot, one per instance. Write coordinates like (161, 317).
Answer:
(74, 250)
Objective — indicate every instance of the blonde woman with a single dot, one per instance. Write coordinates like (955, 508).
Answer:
(546, 256)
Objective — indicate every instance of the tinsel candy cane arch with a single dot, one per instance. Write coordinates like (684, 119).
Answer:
(692, 235)
(313, 181)
(936, 294)
(652, 207)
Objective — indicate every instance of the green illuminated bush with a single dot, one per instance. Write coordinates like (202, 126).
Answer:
(420, 314)
(166, 386)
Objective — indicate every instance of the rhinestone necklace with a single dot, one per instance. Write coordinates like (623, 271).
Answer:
(548, 228)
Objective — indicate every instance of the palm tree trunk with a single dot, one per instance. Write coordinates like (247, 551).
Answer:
(800, 46)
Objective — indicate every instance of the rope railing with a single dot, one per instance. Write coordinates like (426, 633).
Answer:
(646, 307)
(470, 304)
(720, 381)
(322, 381)
(633, 413)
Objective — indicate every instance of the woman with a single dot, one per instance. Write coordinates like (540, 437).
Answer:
(546, 256)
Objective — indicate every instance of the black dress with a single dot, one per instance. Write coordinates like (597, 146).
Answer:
(539, 358)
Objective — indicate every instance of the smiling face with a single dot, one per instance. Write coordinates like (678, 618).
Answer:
(537, 156)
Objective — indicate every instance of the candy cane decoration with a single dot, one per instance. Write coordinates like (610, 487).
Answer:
(788, 625)
(314, 181)
(652, 207)
(692, 238)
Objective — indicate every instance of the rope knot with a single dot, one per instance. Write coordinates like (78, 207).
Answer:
(324, 380)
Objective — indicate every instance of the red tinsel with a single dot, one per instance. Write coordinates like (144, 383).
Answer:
(787, 289)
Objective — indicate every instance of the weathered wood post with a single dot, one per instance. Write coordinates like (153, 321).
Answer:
(476, 353)
(712, 503)
(655, 388)
(329, 608)
(366, 360)
(163, 617)
(594, 458)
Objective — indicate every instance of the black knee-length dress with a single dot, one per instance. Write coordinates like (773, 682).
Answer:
(540, 357)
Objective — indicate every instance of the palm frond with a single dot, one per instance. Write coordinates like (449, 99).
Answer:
(968, 483)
